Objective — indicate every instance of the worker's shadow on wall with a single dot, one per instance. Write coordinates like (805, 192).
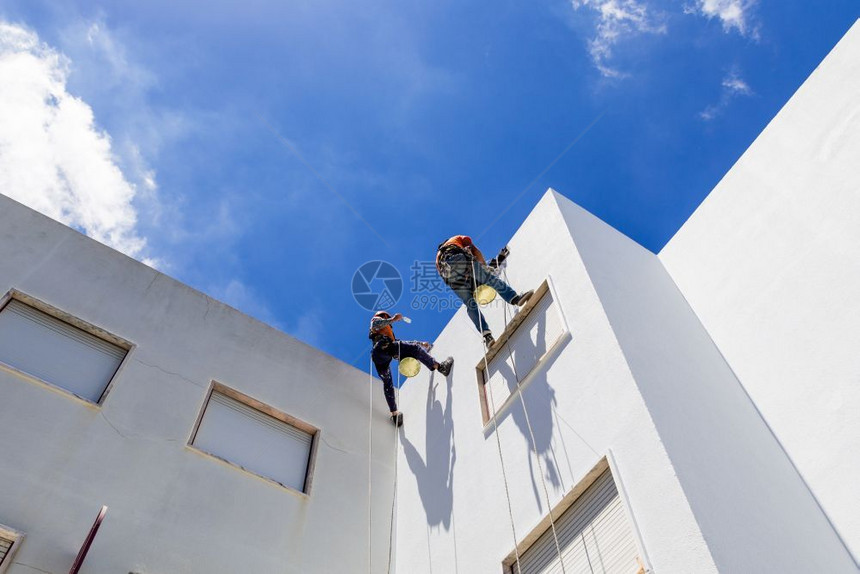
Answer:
(539, 398)
(435, 477)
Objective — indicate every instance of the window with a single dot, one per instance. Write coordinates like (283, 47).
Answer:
(9, 542)
(56, 351)
(531, 337)
(256, 438)
(593, 533)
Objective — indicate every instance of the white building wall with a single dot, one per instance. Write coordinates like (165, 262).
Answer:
(770, 262)
(452, 509)
(754, 511)
(173, 509)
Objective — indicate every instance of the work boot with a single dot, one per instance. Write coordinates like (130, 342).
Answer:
(489, 341)
(397, 419)
(521, 300)
(445, 366)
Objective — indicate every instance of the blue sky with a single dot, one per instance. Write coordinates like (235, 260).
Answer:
(237, 146)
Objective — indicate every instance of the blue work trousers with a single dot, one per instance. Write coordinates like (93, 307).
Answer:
(382, 354)
(466, 275)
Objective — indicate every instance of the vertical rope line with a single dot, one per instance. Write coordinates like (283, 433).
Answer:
(534, 442)
(429, 551)
(587, 555)
(396, 436)
(456, 558)
(370, 470)
(597, 547)
(496, 425)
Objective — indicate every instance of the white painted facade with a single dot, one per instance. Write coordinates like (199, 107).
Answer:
(173, 509)
(770, 263)
(711, 374)
(638, 380)
(718, 382)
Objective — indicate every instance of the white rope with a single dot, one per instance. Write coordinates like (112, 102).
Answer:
(534, 443)
(587, 556)
(495, 423)
(429, 551)
(396, 441)
(370, 471)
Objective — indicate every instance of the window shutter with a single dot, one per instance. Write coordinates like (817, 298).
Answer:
(5, 546)
(7, 543)
(594, 535)
(57, 352)
(255, 441)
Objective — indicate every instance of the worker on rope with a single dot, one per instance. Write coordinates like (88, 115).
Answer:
(463, 268)
(387, 347)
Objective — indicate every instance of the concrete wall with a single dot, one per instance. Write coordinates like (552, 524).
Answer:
(452, 509)
(770, 262)
(173, 509)
(754, 511)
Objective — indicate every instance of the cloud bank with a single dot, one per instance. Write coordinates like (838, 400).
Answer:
(734, 14)
(733, 86)
(53, 157)
(617, 21)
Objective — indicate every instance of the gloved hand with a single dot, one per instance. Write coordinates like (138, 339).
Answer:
(497, 261)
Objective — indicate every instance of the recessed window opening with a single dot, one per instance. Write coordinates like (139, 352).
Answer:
(594, 535)
(530, 338)
(57, 352)
(9, 542)
(257, 438)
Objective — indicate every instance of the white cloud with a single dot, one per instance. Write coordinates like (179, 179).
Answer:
(616, 21)
(119, 69)
(733, 86)
(107, 77)
(734, 14)
(53, 157)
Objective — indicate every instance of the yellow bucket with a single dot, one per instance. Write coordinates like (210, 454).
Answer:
(409, 367)
(484, 294)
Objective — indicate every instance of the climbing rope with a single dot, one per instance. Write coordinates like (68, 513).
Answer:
(370, 471)
(496, 432)
(430, 552)
(534, 442)
(396, 441)
(587, 555)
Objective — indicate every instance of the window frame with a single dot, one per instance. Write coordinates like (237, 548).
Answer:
(216, 387)
(78, 323)
(17, 538)
(605, 463)
(545, 288)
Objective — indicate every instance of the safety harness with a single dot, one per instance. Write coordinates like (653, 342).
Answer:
(382, 336)
(460, 273)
